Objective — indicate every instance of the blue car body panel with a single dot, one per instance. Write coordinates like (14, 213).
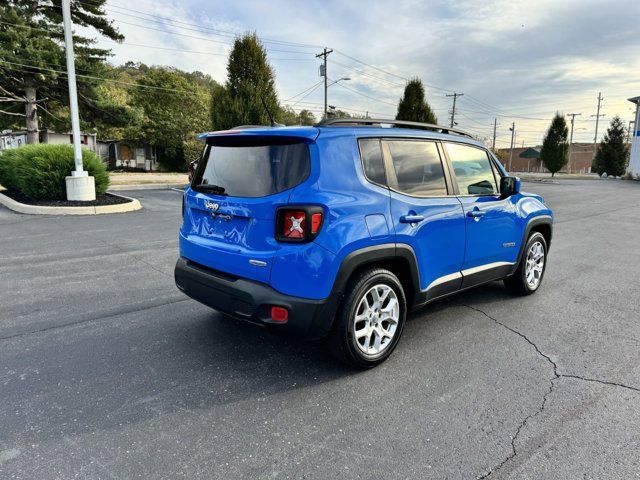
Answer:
(357, 215)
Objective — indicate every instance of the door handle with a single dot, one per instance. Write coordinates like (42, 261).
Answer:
(411, 218)
(476, 214)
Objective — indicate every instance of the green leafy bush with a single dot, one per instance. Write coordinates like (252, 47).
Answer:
(192, 150)
(39, 171)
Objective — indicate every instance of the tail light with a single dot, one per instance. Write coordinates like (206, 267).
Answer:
(298, 224)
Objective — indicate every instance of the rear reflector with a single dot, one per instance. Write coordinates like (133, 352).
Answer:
(316, 221)
(279, 314)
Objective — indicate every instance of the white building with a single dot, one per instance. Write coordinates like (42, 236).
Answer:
(634, 164)
(10, 139)
(88, 140)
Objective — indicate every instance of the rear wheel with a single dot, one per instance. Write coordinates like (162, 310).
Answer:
(528, 276)
(370, 319)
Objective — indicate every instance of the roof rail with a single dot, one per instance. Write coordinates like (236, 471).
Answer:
(397, 123)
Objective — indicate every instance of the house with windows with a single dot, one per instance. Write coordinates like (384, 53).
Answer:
(119, 154)
(14, 139)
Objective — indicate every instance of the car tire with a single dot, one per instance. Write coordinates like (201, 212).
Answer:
(530, 272)
(370, 319)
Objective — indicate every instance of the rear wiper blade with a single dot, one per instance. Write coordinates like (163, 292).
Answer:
(211, 188)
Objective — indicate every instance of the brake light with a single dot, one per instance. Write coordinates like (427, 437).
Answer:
(298, 223)
(294, 223)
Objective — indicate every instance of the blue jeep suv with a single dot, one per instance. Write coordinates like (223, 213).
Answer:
(338, 230)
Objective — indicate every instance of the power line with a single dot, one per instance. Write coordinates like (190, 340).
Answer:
(216, 31)
(92, 77)
(365, 95)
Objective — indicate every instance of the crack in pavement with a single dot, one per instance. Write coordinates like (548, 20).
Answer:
(556, 376)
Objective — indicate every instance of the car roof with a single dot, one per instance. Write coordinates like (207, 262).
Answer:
(360, 131)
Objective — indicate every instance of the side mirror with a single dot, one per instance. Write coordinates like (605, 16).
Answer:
(509, 186)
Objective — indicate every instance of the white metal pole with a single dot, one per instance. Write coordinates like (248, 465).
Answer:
(73, 93)
(634, 164)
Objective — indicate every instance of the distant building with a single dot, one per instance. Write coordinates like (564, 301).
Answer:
(10, 139)
(88, 140)
(118, 154)
(528, 159)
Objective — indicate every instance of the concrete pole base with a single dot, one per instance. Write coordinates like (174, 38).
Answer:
(81, 189)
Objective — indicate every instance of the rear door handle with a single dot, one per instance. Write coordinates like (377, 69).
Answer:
(411, 218)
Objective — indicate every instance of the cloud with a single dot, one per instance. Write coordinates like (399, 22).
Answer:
(512, 59)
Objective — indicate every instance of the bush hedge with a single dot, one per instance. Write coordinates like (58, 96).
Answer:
(39, 171)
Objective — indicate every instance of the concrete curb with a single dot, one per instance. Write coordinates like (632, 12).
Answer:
(11, 204)
(146, 186)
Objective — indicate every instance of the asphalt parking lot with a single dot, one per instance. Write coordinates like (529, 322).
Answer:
(107, 371)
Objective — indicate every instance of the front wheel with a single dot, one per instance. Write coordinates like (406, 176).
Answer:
(370, 319)
(528, 276)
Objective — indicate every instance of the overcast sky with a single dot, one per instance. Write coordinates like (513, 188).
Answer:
(519, 61)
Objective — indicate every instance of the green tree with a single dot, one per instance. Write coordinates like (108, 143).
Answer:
(288, 116)
(32, 46)
(174, 109)
(555, 148)
(250, 82)
(612, 156)
(307, 117)
(413, 105)
(337, 113)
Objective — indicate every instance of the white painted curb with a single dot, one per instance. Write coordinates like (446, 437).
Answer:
(147, 186)
(11, 204)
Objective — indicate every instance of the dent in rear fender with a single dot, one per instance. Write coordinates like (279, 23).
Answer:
(304, 270)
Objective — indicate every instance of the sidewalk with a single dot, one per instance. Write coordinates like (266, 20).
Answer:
(140, 180)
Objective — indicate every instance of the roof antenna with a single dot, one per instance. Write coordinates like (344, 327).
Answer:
(273, 122)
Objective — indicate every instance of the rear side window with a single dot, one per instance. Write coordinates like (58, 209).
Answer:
(418, 168)
(372, 163)
(473, 170)
(254, 170)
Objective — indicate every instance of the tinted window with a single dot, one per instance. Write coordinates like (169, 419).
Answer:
(473, 170)
(255, 170)
(417, 167)
(372, 160)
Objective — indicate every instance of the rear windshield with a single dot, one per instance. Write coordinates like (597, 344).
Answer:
(255, 170)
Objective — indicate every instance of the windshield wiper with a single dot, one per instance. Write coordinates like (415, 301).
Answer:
(211, 188)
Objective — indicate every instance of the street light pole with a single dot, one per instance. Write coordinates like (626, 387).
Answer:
(80, 186)
(326, 112)
(513, 132)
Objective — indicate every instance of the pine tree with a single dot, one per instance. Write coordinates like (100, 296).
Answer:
(612, 156)
(250, 82)
(555, 148)
(413, 106)
(32, 46)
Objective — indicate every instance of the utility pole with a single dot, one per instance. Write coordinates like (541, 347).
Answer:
(323, 69)
(80, 186)
(513, 133)
(597, 115)
(573, 118)
(453, 110)
(495, 126)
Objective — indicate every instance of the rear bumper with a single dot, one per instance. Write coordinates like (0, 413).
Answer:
(250, 300)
